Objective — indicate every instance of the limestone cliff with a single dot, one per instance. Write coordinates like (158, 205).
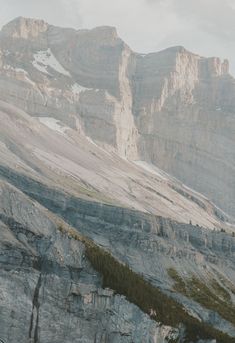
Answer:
(49, 291)
(186, 120)
(173, 108)
(90, 133)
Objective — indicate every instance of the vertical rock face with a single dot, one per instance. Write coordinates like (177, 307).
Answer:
(160, 76)
(174, 109)
(96, 89)
(49, 291)
(60, 298)
(87, 89)
(126, 130)
(92, 56)
(186, 120)
(25, 28)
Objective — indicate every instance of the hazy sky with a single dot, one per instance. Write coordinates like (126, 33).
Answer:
(206, 27)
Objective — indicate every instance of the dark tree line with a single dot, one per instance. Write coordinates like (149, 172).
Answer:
(148, 298)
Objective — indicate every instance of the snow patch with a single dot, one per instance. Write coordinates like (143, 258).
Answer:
(19, 71)
(77, 89)
(6, 52)
(45, 59)
(152, 169)
(53, 124)
(97, 146)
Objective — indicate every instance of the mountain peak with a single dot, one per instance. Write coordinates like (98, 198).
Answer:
(26, 28)
(111, 30)
(104, 34)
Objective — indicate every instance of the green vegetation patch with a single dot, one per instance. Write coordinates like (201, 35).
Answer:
(212, 296)
(151, 300)
(148, 298)
(229, 285)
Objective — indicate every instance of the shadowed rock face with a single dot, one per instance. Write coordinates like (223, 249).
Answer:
(50, 293)
(172, 108)
(61, 286)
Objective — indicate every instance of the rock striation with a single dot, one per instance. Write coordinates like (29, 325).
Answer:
(49, 291)
(186, 120)
(173, 108)
(149, 245)
(97, 138)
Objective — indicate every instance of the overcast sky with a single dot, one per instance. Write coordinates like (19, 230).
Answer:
(206, 27)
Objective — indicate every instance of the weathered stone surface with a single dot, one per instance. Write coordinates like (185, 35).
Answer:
(48, 290)
(56, 154)
(174, 109)
(72, 105)
(150, 245)
(185, 115)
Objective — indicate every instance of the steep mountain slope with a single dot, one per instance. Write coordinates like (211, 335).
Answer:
(184, 107)
(60, 157)
(49, 291)
(173, 109)
(85, 125)
(64, 172)
(153, 246)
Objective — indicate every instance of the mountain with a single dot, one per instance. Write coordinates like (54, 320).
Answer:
(173, 109)
(132, 152)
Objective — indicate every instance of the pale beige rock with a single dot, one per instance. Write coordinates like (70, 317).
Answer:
(173, 109)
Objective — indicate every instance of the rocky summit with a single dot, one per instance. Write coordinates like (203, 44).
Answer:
(117, 190)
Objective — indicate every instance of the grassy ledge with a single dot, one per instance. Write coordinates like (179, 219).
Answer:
(137, 290)
(212, 296)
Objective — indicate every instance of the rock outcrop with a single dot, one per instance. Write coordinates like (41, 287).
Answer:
(151, 246)
(49, 291)
(173, 108)
(51, 152)
(186, 120)
(87, 128)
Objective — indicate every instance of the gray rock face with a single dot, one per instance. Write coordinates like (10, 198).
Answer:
(172, 108)
(48, 290)
(84, 124)
(185, 114)
(150, 245)
(53, 153)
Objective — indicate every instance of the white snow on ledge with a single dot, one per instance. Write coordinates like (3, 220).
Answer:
(76, 88)
(53, 124)
(44, 59)
(19, 71)
(152, 169)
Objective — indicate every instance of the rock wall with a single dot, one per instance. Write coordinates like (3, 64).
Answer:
(173, 108)
(49, 292)
(186, 120)
(150, 245)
